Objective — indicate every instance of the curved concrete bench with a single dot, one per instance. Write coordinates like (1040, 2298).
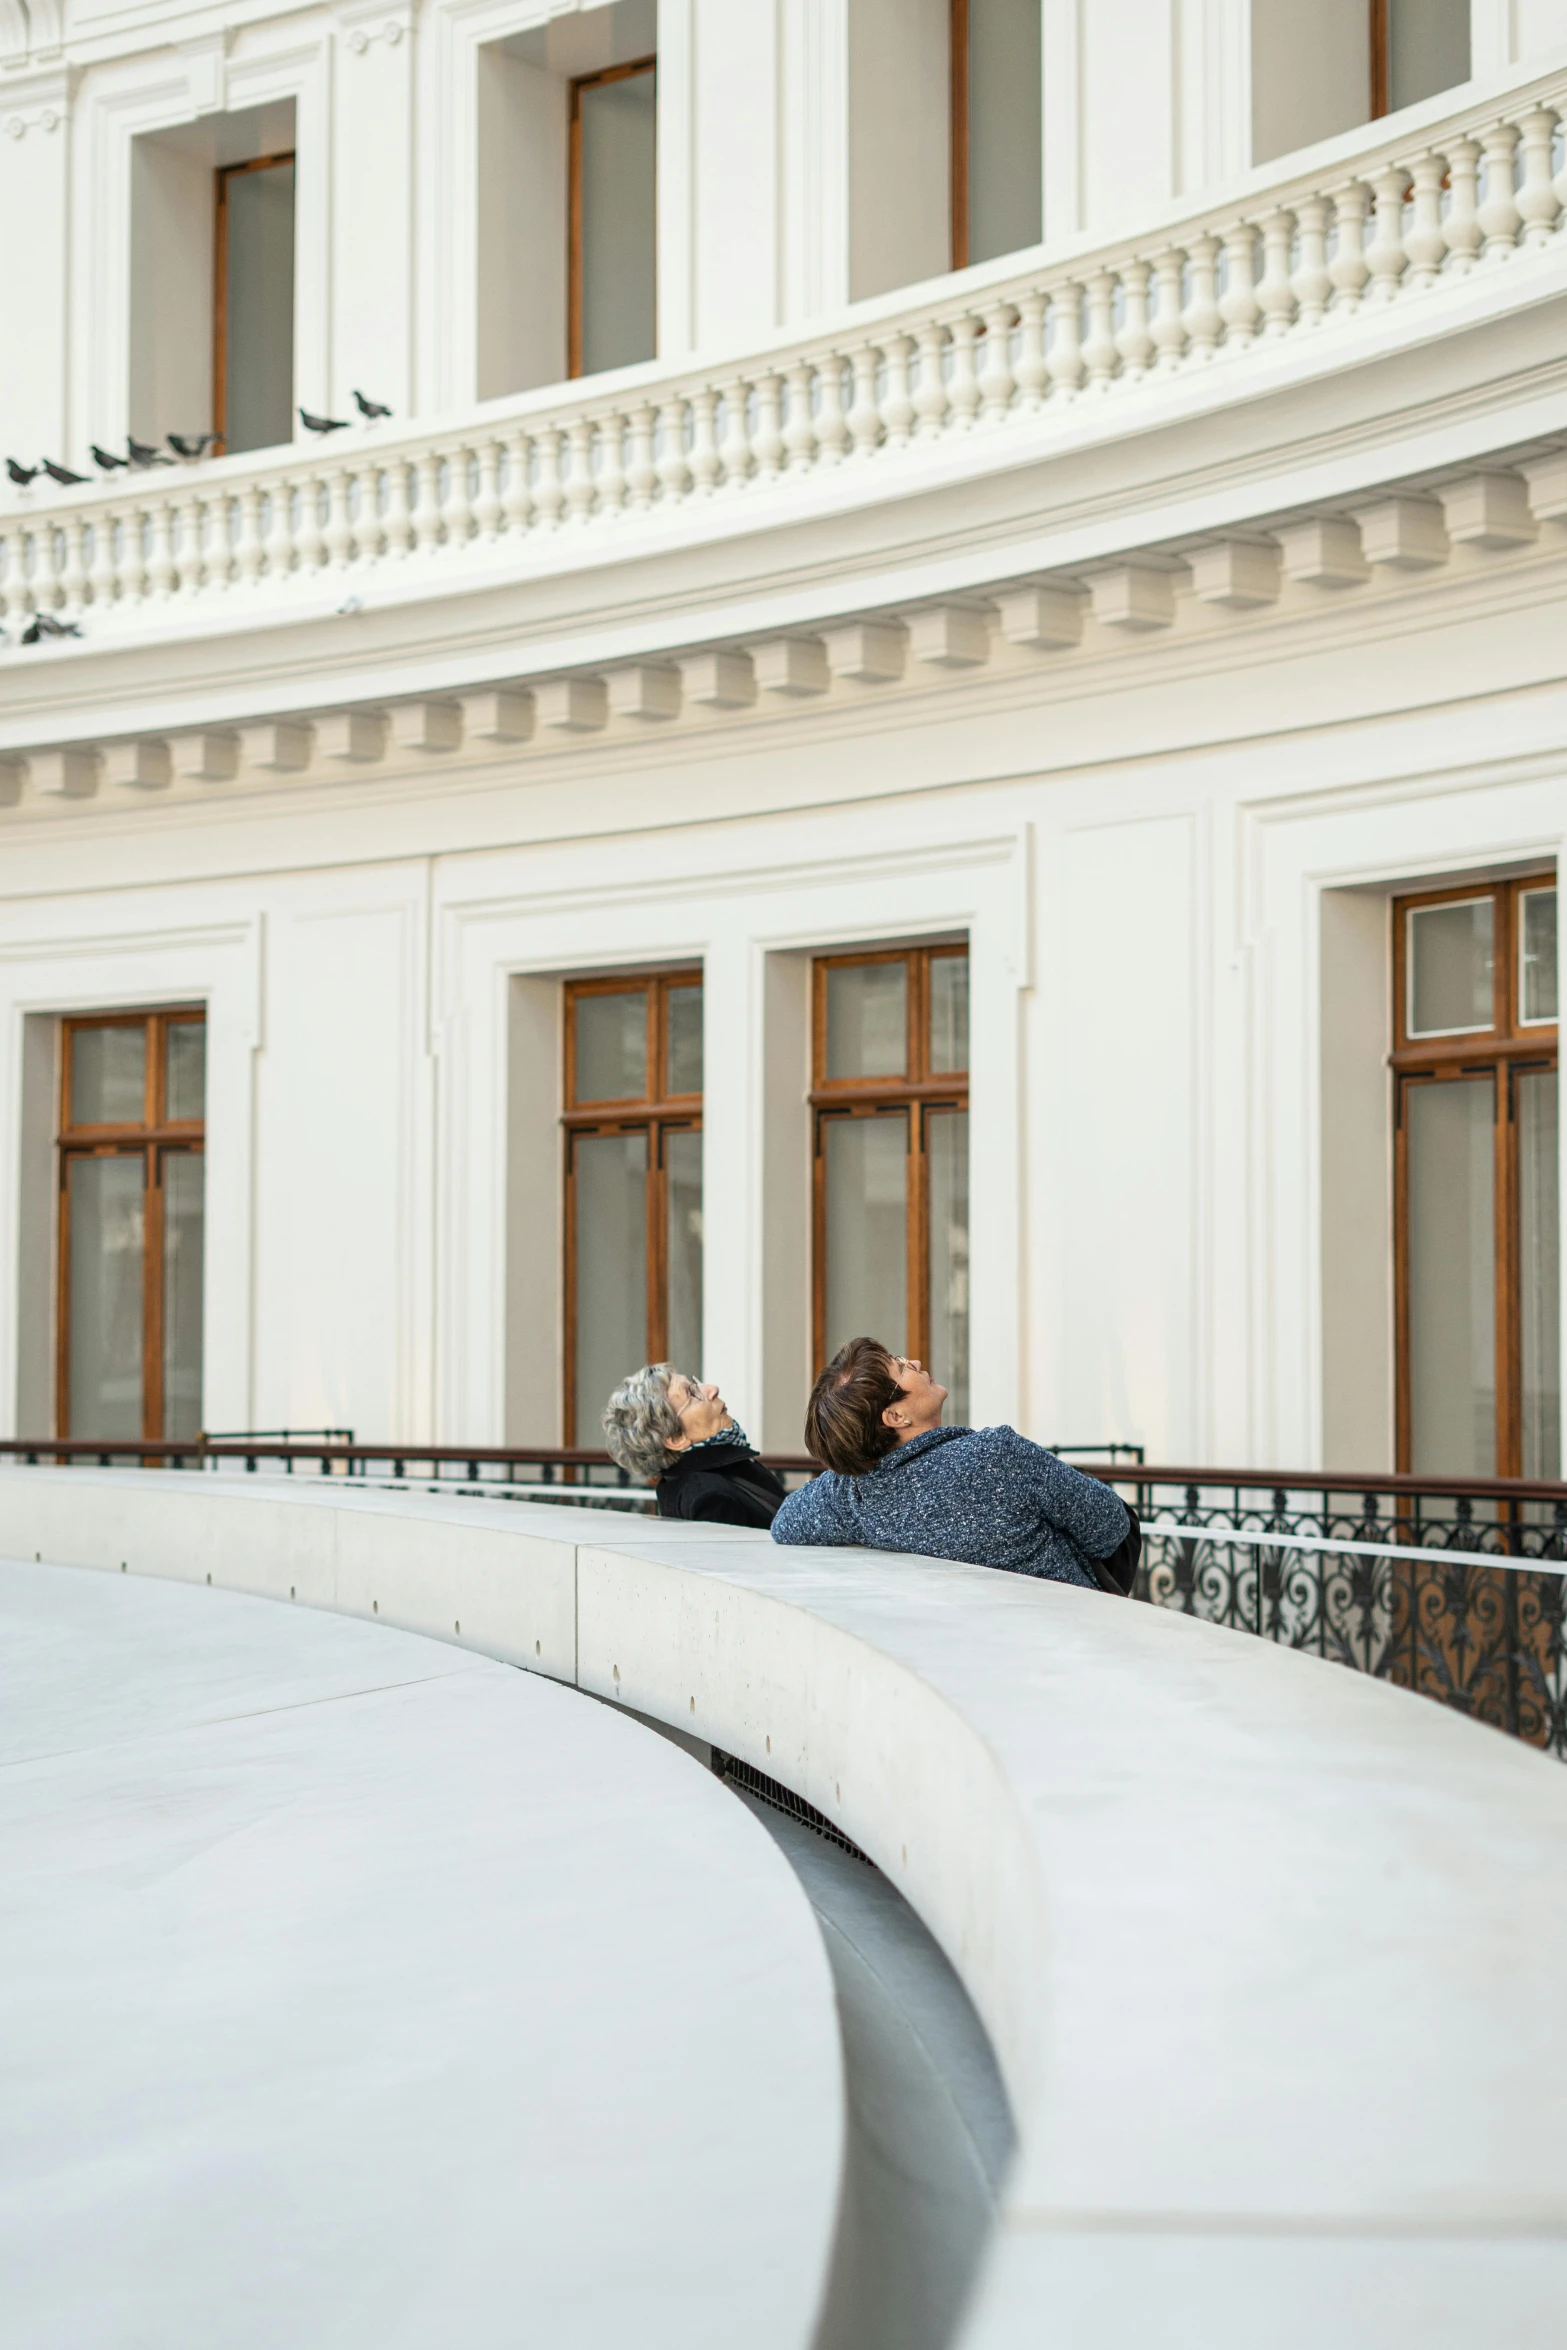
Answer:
(1271, 1954)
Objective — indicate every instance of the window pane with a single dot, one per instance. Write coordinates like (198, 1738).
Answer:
(685, 1040)
(619, 215)
(683, 1241)
(1539, 1273)
(946, 1135)
(183, 1203)
(107, 1213)
(612, 1048)
(949, 1012)
(259, 321)
(867, 1021)
(1452, 1277)
(867, 1229)
(1427, 48)
(186, 1094)
(1450, 968)
(1537, 954)
(610, 1174)
(109, 1076)
(1005, 144)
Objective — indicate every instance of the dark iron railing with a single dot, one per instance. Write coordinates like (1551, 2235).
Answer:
(1456, 1588)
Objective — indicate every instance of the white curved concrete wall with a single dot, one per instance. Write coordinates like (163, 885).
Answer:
(1270, 1953)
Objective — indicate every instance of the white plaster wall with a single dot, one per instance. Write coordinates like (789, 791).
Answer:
(520, 316)
(34, 182)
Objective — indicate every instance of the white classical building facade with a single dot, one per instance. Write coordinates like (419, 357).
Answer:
(785, 785)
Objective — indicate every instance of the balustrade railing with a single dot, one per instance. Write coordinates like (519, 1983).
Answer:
(1454, 1588)
(1290, 257)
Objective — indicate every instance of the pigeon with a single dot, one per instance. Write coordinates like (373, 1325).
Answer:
(194, 444)
(370, 408)
(62, 473)
(44, 624)
(144, 454)
(21, 474)
(107, 459)
(322, 423)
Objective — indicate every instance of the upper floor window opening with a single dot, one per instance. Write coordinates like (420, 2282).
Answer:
(567, 198)
(1418, 48)
(213, 236)
(1340, 63)
(997, 137)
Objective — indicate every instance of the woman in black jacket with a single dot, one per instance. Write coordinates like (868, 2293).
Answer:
(678, 1435)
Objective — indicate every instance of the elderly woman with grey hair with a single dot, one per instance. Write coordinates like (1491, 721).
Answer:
(678, 1436)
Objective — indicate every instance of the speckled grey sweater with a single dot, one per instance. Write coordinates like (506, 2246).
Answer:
(986, 1495)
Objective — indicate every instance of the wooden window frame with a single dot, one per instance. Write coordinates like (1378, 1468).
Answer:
(1381, 54)
(220, 280)
(916, 1093)
(655, 1113)
(1501, 1052)
(958, 137)
(580, 84)
(154, 1139)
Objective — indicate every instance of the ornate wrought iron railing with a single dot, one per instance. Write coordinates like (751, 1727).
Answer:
(1456, 1589)
(1453, 1588)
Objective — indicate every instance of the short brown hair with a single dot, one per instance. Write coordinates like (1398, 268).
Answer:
(844, 1429)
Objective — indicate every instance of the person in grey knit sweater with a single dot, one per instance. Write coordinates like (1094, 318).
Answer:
(894, 1479)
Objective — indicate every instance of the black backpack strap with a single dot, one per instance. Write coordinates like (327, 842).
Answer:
(1118, 1572)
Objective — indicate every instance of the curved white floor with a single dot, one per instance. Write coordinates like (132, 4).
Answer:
(358, 1991)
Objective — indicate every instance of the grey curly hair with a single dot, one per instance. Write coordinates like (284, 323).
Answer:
(639, 1421)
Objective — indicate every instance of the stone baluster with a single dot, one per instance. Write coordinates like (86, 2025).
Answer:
(832, 424)
(161, 572)
(1099, 351)
(673, 466)
(488, 513)
(103, 572)
(1498, 216)
(1560, 182)
(963, 390)
(1275, 290)
(579, 469)
(800, 430)
(1135, 342)
(1349, 268)
(705, 461)
(1463, 209)
(1425, 246)
(864, 417)
(13, 576)
(73, 569)
(339, 519)
(1169, 321)
(194, 551)
(517, 502)
(249, 553)
(767, 442)
(1387, 254)
(1033, 369)
(897, 408)
(1538, 203)
(1238, 304)
(280, 536)
(549, 491)
(1064, 358)
(1313, 285)
(735, 446)
(996, 380)
(930, 398)
(427, 502)
(397, 528)
(1202, 318)
(461, 487)
(310, 548)
(611, 476)
(641, 472)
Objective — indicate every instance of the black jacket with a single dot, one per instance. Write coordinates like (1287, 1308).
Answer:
(722, 1484)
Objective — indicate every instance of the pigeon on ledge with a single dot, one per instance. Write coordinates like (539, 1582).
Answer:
(370, 408)
(62, 473)
(44, 624)
(194, 444)
(107, 459)
(322, 423)
(21, 474)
